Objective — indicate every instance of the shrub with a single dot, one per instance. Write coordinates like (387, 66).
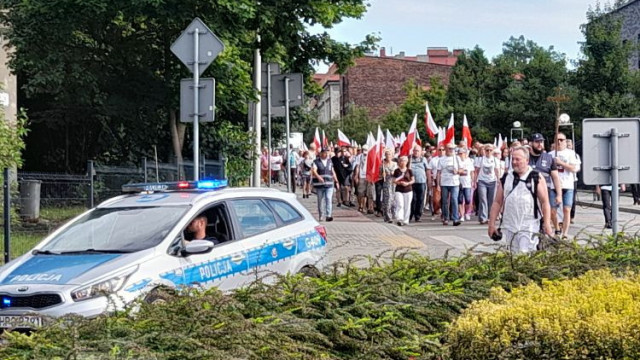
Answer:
(595, 316)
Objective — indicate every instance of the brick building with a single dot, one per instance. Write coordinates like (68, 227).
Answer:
(376, 82)
(630, 30)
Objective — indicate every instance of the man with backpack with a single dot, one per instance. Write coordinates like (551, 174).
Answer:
(523, 199)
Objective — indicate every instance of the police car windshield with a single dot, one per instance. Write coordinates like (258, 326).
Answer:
(127, 229)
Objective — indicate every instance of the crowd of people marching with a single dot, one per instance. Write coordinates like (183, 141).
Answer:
(518, 190)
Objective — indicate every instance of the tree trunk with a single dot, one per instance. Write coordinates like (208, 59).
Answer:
(177, 139)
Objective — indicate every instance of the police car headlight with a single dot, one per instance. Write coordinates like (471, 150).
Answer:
(102, 288)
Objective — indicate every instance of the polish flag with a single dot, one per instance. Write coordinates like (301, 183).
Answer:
(466, 132)
(370, 140)
(418, 140)
(402, 138)
(316, 140)
(343, 140)
(432, 128)
(441, 136)
(500, 141)
(450, 139)
(304, 147)
(325, 141)
(374, 158)
(390, 143)
(408, 143)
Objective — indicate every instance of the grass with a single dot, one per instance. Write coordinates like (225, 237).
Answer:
(23, 238)
(57, 214)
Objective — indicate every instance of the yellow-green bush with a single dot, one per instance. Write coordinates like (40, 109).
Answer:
(595, 316)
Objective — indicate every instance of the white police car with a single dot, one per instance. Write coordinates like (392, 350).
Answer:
(131, 244)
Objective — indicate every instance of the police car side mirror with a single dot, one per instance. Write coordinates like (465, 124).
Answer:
(197, 247)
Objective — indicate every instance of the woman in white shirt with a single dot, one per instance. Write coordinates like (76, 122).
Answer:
(486, 174)
(464, 198)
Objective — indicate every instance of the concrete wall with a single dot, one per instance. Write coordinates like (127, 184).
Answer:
(329, 103)
(8, 84)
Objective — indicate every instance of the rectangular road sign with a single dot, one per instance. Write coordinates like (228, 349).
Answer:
(206, 96)
(274, 69)
(596, 150)
(295, 90)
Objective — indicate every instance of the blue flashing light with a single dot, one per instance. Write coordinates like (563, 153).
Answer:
(6, 302)
(212, 184)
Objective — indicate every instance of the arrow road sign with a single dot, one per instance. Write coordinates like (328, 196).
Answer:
(209, 46)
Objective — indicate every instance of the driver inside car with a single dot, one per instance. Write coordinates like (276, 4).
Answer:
(198, 229)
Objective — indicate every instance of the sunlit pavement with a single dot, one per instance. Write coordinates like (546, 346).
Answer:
(353, 234)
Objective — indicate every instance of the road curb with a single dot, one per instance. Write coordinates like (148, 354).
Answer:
(599, 206)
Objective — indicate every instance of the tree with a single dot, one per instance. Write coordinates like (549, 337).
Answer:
(399, 118)
(101, 82)
(467, 91)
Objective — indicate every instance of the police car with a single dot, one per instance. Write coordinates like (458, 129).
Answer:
(134, 243)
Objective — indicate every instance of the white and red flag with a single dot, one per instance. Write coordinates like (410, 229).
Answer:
(500, 142)
(466, 132)
(370, 140)
(450, 138)
(432, 128)
(390, 143)
(325, 141)
(374, 157)
(441, 136)
(316, 140)
(343, 140)
(408, 143)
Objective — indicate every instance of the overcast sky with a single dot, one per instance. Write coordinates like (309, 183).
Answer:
(413, 25)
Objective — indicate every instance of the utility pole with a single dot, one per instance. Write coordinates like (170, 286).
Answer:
(558, 99)
(257, 119)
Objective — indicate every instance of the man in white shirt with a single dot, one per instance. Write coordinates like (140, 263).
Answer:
(568, 164)
(449, 170)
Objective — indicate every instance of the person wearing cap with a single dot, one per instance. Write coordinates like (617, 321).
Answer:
(419, 169)
(324, 179)
(365, 189)
(544, 163)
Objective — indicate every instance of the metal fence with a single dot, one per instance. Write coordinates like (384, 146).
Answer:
(36, 203)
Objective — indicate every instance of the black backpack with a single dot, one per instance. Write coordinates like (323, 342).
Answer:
(532, 184)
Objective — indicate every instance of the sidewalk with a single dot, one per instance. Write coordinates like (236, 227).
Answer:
(588, 198)
(354, 235)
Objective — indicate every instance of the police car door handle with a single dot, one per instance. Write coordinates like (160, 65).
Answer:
(238, 258)
(288, 243)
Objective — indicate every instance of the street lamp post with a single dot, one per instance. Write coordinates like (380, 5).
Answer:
(517, 128)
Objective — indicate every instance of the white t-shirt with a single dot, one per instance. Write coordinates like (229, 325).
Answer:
(566, 176)
(448, 167)
(465, 180)
(433, 165)
(362, 164)
(276, 161)
(486, 168)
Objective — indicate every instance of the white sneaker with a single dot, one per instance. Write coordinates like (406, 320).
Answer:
(461, 218)
(468, 217)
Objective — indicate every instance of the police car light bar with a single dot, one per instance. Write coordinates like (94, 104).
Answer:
(175, 186)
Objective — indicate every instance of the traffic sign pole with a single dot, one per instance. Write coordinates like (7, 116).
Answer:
(614, 181)
(286, 117)
(196, 107)
(269, 121)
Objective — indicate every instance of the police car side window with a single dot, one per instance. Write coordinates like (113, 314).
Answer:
(253, 216)
(285, 211)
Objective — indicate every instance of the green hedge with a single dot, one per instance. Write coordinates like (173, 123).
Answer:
(396, 310)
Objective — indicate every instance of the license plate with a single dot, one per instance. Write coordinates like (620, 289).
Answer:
(20, 321)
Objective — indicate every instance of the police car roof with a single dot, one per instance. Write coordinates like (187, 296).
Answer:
(189, 197)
